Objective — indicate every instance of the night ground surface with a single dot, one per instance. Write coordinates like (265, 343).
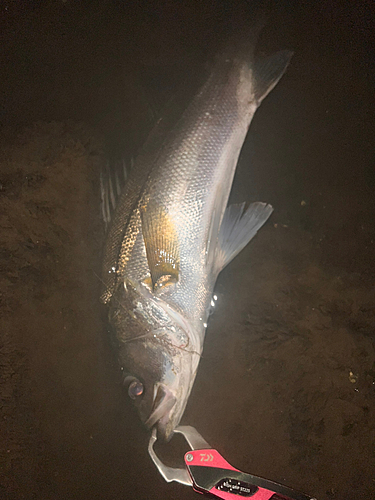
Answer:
(286, 383)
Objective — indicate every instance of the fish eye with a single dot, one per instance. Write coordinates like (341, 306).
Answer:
(135, 387)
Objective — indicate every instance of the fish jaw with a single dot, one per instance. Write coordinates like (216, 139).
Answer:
(164, 402)
(171, 398)
(169, 406)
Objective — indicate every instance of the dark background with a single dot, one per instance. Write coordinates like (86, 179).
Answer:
(286, 384)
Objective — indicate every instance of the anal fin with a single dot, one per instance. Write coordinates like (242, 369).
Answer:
(238, 228)
(268, 71)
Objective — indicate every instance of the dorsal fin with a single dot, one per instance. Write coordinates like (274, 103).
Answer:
(163, 112)
(112, 180)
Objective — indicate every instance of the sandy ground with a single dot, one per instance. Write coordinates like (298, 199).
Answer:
(286, 384)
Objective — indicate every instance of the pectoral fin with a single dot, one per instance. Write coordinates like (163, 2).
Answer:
(162, 248)
(238, 228)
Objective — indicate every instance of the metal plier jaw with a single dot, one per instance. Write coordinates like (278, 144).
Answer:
(208, 472)
(194, 440)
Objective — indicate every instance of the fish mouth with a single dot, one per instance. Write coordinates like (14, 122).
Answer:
(164, 401)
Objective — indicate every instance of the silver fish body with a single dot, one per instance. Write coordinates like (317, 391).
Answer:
(172, 233)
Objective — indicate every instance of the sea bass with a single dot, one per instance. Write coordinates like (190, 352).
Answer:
(172, 233)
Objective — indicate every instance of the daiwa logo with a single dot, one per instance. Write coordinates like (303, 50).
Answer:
(206, 457)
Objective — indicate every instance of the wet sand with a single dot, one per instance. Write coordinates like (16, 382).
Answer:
(286, 383)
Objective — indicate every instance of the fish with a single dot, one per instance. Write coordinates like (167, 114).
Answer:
(171, 232)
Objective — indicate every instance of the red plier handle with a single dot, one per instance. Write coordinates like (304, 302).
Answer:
(208, 472)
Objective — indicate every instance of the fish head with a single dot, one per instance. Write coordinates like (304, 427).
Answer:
(157, 356)
(158, 380)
